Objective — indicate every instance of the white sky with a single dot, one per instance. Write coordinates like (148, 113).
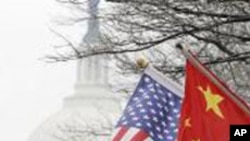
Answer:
(30, 89)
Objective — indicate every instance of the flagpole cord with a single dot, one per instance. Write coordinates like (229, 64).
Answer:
(200, 67)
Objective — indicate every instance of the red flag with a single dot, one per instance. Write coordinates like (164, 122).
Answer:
(207, 111)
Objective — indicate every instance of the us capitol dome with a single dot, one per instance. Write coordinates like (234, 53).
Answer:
(92, 111)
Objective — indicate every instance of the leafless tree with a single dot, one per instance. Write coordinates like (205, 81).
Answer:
(76, 127)
(77, 131)
(218, 32)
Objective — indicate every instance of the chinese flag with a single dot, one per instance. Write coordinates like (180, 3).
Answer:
(207, 112)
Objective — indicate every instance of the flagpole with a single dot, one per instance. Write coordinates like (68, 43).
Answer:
(198, 65)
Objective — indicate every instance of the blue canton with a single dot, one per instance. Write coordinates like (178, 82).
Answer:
(154, 109)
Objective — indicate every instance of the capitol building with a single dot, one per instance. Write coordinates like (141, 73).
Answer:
(91, 113)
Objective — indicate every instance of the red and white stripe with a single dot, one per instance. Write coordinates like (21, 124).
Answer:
(130, 134)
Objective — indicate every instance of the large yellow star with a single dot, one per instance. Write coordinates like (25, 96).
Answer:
(212, 100)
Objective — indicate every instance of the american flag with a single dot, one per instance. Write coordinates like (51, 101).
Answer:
(152, 112)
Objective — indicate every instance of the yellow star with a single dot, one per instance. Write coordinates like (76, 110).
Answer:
(196, 140)
(187, 122)
(212, 100)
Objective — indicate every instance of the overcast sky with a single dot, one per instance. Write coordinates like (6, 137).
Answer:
(30, 89)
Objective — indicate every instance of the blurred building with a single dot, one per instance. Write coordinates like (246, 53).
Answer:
(89, 114)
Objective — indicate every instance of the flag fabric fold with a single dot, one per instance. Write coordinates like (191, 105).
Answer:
(207, 112)
(152, 113)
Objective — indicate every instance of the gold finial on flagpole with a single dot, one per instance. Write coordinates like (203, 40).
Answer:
(142, 62)
(179, 46)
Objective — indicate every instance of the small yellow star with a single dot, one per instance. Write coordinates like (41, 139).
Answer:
(212, 100)
(187, 122)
